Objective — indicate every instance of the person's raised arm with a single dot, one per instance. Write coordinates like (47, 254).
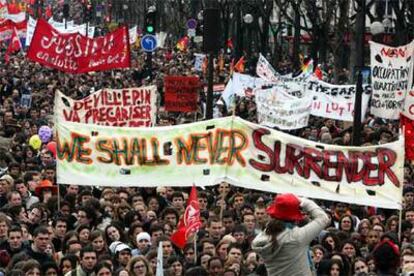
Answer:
(319, 220)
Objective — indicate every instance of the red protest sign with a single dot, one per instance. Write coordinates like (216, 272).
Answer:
(181, 93)
(75, 53)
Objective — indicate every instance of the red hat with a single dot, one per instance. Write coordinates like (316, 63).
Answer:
(285, 207)
(45, 184)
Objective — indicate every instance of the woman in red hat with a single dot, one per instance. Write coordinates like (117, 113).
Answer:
(283, 245)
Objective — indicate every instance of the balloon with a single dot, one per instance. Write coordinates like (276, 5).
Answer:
(51, 146)
(45, 133)
(35, 142)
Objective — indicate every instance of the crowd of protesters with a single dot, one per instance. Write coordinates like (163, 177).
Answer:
(50, 229)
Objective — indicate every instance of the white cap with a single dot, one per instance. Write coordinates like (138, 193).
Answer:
(143, 236)
(118, 246)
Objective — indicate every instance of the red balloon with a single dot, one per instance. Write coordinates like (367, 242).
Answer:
(51, 146)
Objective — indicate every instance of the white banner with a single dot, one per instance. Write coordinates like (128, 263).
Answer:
(241, 85)
(58, 24)
(161, 37)
(336, 101)
(133, 35)
(60, 27)
(409, 98)
(133, 107)
(16, 18)
(265, 70)
(231, 149)
(389, 76)
(276, 108)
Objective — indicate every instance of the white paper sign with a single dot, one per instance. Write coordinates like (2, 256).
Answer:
(390, 68)
(276, 108)
(133, 35)
(265, 70)
(241, 85)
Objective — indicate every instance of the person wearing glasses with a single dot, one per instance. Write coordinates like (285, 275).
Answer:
(139, 266)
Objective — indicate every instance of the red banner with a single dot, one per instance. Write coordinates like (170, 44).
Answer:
(7, 26)
(75, 53)
(181, 93)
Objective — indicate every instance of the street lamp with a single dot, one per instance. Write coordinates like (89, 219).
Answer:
(248, 20)
(200, 15)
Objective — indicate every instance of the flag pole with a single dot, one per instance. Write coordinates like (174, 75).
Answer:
(401, 194)
(222, 204)
(195, 247)
(58, 196)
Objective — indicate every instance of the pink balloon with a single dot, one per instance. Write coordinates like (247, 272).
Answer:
(51, 146)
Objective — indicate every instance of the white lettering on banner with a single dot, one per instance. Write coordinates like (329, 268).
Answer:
(390, 68)
(231, 149)
(134, 107)
(67, 62)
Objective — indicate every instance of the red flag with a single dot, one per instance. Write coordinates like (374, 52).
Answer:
(81, 54)
(204, 66)
(14, 45)
(189, 223)
(229, 43)
(239, 67)
(409, 136)
(183, 43)
(13, 8)
(48, 12)
(318, 72)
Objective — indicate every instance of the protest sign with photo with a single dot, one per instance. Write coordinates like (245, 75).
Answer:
(276, 108)
(389, 76)
(75, 53)
(26, 101)
(198, 62)
(231, 149)
(132, 107)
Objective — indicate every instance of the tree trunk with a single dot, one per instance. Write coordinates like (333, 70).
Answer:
(358, 44)
(339, 47)
(296, 39)
(323, 44)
